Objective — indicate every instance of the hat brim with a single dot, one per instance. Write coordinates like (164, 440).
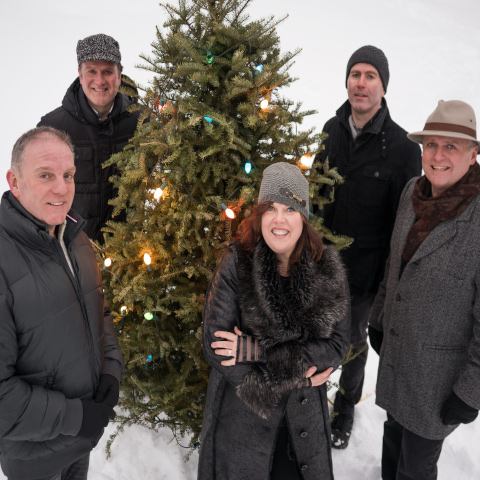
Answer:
(418, 136)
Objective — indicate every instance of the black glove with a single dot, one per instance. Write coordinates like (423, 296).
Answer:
(108, 390)
(455, 411)
(376, 338)
(95, 418)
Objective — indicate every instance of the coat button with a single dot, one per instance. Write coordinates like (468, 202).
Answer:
(376, 174)
(392, 331)
(304, 467)
(303, 434)
(304, 401)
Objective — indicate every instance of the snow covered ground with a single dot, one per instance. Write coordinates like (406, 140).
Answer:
(139, 454)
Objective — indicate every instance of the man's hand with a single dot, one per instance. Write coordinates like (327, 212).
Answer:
(108, 390)
(455, 411)
(95, 418)
(376, 338)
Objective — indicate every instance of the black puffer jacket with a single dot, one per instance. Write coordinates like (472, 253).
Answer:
(304, 324)
(95, 141)
(376, 167)
(56, 339)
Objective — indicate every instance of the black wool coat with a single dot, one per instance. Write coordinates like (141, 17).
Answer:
(95, 142)
(375, 166)
(304, 324)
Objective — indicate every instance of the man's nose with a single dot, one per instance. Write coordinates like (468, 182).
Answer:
(99, 78)
(439, 154)
(60, 187)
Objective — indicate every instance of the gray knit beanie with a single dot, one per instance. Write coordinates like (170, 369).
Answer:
(98, 47)
(285, 183)
(373, 56)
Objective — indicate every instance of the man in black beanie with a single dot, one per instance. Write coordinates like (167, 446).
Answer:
(376, 160)
(98, 120)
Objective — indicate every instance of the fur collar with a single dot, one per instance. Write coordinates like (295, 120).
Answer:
(285, 314)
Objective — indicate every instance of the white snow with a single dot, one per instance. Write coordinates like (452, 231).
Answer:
(141, 454)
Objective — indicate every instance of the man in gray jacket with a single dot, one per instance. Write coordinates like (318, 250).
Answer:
(60, 361)
(425, 321)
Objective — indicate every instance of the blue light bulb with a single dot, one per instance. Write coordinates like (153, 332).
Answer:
(248, 167)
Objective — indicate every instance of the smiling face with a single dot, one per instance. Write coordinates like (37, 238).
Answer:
(100, 81)
(446, 160)
(44, 183)
(282, 226)
(365, 90)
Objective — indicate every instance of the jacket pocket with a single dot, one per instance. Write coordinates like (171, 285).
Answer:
(445, 348)
(372, 189)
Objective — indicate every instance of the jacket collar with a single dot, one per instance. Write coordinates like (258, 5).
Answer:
(374, 125)
(440, 235)
(24, 228)
(75, 102)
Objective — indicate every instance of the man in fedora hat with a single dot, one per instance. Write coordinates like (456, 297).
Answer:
(376, 160)
(96, 117)
(425, 320)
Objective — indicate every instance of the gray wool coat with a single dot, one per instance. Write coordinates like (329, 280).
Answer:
(238, 441)
(430, 318)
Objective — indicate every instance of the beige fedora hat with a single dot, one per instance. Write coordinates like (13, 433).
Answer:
(452, 118)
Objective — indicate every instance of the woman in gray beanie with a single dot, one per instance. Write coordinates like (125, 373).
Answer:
(276, 314)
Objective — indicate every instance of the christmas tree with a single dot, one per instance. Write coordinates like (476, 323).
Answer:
(216, 119)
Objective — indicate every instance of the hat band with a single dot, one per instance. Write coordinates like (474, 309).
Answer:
(451, 127)
(289, 194)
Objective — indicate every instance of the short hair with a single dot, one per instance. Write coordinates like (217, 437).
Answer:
(250, 233)
(36, 134)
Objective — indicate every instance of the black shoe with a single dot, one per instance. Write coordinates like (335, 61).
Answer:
(341, 429)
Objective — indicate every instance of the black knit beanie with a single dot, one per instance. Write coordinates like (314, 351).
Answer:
(373, 56)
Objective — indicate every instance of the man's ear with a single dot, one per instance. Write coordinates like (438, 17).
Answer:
(12, 179)
(80, 75)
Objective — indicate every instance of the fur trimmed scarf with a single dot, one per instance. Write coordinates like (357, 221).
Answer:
(283, 316)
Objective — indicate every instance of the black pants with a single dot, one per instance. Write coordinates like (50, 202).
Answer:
(353, 372)
(407, 456)
(76, 471)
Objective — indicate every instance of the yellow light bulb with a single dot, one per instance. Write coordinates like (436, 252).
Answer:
(306, 161)
(108, 262)
(124, 310)
(230, 213)
(159, 191)
(264, 104)
(147, 259)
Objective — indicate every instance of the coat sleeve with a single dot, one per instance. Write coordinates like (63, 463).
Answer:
(113, 362)
(467, 387)
(222, 313)
(29, 412)
(330, 352)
